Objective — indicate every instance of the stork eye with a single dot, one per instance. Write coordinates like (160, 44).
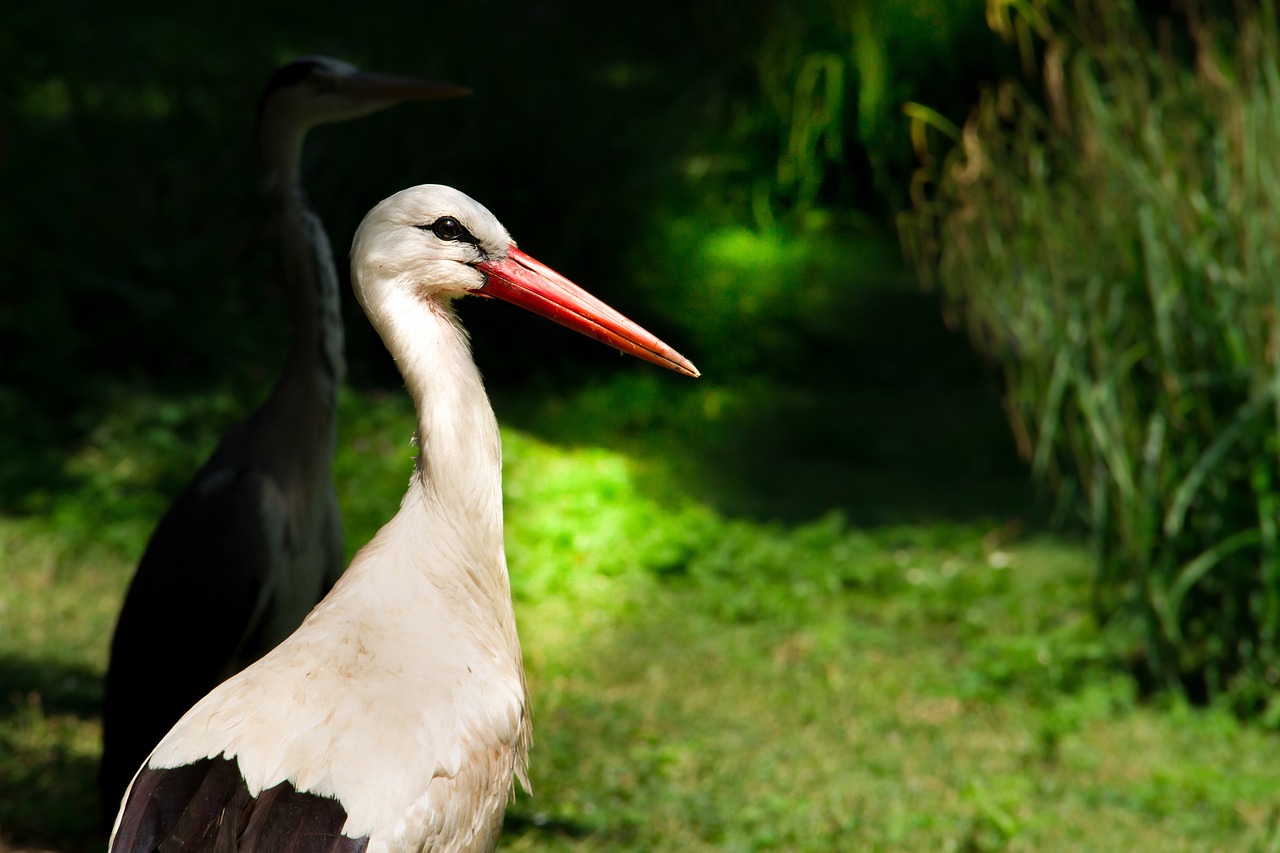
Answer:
(448, 228)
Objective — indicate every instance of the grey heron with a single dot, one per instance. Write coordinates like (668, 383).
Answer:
(254, 540)
(396, 718)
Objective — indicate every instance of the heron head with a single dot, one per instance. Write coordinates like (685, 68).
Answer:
(313, 90)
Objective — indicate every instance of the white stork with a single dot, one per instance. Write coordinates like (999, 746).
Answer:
(255, 540)
(395, 719)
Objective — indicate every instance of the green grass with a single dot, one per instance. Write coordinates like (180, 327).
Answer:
(702, 679)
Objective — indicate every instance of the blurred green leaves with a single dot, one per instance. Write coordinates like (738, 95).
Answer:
(1109, 245)
(835, 74)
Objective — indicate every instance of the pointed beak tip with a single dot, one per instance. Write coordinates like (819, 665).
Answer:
(686, 368)
(441, 92)
(528, 283)
(391, 89)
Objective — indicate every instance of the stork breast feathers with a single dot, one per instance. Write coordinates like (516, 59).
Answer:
(344, 709)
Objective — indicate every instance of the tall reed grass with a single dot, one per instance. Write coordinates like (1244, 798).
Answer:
(1112, 242)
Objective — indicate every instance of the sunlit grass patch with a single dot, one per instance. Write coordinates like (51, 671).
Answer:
(56, 598)
(578, 517)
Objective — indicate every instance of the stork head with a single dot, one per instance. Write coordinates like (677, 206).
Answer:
(431, 244)
(313, 90)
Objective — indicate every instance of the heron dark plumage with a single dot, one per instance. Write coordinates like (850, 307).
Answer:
(254, 541)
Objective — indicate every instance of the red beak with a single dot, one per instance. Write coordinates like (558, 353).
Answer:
(527, 282)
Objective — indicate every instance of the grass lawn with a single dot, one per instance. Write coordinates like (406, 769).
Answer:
(904, 671)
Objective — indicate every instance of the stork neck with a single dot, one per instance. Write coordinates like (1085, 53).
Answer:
(459, 465)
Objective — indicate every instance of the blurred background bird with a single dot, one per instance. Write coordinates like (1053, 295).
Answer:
(255, 539)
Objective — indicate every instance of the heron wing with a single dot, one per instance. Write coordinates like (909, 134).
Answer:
(335, 558)
(202, 583)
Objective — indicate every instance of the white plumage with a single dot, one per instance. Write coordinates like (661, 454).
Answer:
(402, 695)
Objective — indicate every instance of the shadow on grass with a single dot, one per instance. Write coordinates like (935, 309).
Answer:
(49, 790)
(52, 688)
(520, 823)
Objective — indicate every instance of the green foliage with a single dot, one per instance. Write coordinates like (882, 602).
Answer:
(834, 74)
(1112, 248)
(700, 682)
(755, 302)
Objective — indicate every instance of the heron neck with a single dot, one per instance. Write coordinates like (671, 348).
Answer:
(316, 364)
(280, 140)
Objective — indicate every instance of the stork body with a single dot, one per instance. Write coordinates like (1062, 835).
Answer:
(395, 719)
(255, 540)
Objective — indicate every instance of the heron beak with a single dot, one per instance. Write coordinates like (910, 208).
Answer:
(532, 285)
(389, 88)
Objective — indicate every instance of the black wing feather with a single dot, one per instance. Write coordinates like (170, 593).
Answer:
(205, 807)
